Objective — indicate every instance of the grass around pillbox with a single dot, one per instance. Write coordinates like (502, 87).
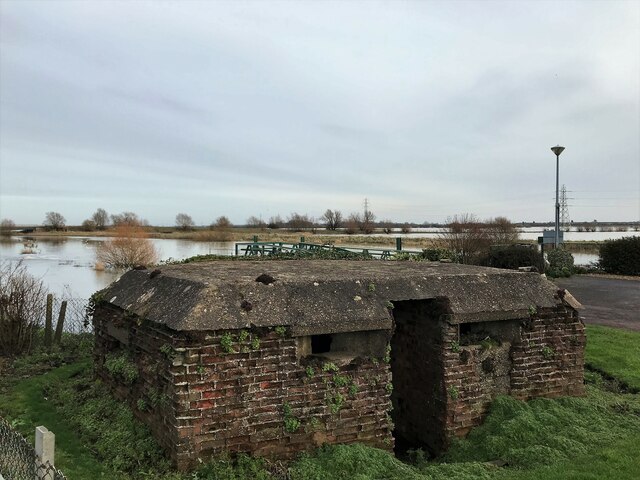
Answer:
(615, 352)
(591, 437)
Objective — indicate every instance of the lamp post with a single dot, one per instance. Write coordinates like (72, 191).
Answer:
(557, 150)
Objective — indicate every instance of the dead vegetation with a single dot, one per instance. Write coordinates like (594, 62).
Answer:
(130, 247)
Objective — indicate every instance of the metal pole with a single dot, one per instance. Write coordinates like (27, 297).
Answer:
(557, 236)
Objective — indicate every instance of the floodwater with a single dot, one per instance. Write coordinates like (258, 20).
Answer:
(66, 264)
(531, 233)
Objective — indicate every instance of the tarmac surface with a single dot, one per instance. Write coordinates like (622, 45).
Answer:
(614, 302)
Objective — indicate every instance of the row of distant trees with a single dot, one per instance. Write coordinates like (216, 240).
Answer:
(100, 220)
(363, 222)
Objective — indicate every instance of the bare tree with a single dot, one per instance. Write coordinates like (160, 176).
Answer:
(332, 219)
(6, 226)
(386, 225)
(22, 301)
(405, 228)
(501, 231)
(220, 231)
(54, 220)
(130, 247)
(366, 225)
(298, 222)
(88, 225)
(466, 236)
(100, 218)
(352, 224)
(255, 222)
(275, 222)
(222, 222)
(126, 218)
(184, 221)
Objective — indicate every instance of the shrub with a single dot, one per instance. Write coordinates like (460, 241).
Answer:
(560, 263)
(514, 256)
(129, 248)
(621, 256)
(437, 254)
(6, 226)
(22, 302)
(88, 225)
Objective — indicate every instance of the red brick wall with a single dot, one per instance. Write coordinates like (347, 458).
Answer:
(260, 398)
(546, 359)
(200, 400)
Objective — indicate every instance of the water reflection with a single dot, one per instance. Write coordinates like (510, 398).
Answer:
(66, 264)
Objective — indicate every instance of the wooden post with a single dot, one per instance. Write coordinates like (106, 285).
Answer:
(398, 243)
(48, 325)
(60, 325)
(45, 450)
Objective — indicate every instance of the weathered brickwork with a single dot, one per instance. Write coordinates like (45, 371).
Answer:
(229, 391)
(314, 367)
(544, 359)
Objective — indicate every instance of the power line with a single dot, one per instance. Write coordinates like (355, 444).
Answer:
(564, 209)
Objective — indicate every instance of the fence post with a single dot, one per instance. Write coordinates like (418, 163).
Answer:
(48, 325)
(60, 325)
(398, 243)
(45, 448)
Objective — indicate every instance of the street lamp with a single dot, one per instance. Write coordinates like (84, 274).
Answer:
(557, 150)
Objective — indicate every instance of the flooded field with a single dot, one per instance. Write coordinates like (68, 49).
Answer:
(66, 264)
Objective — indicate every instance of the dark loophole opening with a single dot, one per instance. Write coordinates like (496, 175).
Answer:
(320, 343)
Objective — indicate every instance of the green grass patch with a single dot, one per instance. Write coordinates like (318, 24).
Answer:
(592, 437)
(26, 406)
(615, 352)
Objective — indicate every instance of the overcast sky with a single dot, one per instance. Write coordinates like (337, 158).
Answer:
(427, 109)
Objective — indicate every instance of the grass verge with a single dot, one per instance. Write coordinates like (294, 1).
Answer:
(569, 438)
(616, 353)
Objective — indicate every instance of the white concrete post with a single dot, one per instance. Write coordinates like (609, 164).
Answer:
(45, 448)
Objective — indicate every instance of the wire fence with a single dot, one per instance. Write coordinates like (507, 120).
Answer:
(76, 320)
(18, 458)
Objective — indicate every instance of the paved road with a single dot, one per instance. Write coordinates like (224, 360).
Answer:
(607, 301)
